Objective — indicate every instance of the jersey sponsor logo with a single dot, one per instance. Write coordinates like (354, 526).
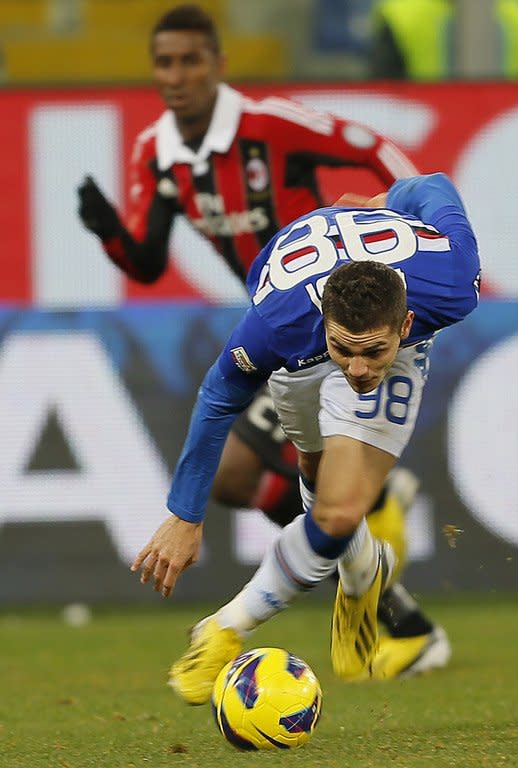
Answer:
(209, 204)
(215, 222)
(241, 359)
(303, 361)
(235, 223)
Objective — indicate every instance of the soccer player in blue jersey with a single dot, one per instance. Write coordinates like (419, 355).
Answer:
(345, 305)
(239, 170)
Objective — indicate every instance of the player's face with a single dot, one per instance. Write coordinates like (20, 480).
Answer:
(187, 72)
(365, 358)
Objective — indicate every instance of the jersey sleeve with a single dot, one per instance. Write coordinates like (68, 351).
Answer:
(326, 140)
(434, 200)
(228, 388)
(142, 187)
(250, 355)
(217, 405)
(431, 198)
(141, 247)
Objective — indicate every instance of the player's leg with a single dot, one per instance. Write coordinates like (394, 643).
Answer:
(419, 646)
(263, 420)
(414, 643)
(239, 474)
(304, 554)
(211, 646)
(258, 469)
(381, 428)
(255, 447)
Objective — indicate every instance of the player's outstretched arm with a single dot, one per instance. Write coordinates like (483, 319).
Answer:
(320, 140)
(142, 254)
(176, 544)
(225, 392)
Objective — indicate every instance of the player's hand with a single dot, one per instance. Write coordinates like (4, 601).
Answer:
(96, 213)
(173, 548)
(352, 200)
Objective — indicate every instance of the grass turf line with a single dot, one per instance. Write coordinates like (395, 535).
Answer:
(96, 695)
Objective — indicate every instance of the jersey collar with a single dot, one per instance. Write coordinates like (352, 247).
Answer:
(219, 137)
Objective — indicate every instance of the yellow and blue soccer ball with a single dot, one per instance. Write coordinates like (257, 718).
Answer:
(266, 698)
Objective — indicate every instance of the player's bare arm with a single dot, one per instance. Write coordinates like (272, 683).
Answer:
(354, 200)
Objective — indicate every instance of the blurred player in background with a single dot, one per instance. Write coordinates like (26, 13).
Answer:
(239, 170)
(343, 339)
(420, 40)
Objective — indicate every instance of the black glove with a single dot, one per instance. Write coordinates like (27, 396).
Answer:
(96, 213)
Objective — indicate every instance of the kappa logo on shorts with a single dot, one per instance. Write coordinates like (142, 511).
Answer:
(242, 360)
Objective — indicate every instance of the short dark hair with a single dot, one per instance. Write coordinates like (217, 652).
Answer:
(192, 17)
(365, 295)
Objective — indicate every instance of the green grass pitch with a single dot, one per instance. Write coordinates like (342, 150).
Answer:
(74, 697)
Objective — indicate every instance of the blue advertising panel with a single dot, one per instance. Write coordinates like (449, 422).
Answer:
(94, 406)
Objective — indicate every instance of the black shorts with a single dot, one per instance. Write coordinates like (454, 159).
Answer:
(259, 428)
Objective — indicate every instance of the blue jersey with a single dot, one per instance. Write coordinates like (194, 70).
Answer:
(423, 233)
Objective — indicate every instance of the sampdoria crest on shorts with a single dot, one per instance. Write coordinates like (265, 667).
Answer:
(241, 359)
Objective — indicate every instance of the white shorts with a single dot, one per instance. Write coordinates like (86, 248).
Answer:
(319, 402)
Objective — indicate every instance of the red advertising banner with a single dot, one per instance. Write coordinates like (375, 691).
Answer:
(49, 139)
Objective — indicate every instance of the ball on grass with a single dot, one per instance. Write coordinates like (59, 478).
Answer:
(76, 614)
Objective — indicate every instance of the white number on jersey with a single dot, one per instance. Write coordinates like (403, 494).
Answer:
(294, 259)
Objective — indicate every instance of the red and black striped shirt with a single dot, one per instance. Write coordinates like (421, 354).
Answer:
(253, 173)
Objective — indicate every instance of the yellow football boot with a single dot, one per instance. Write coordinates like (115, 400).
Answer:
(192, 676)
(408, 656)
(388, 522)
(354, 629)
